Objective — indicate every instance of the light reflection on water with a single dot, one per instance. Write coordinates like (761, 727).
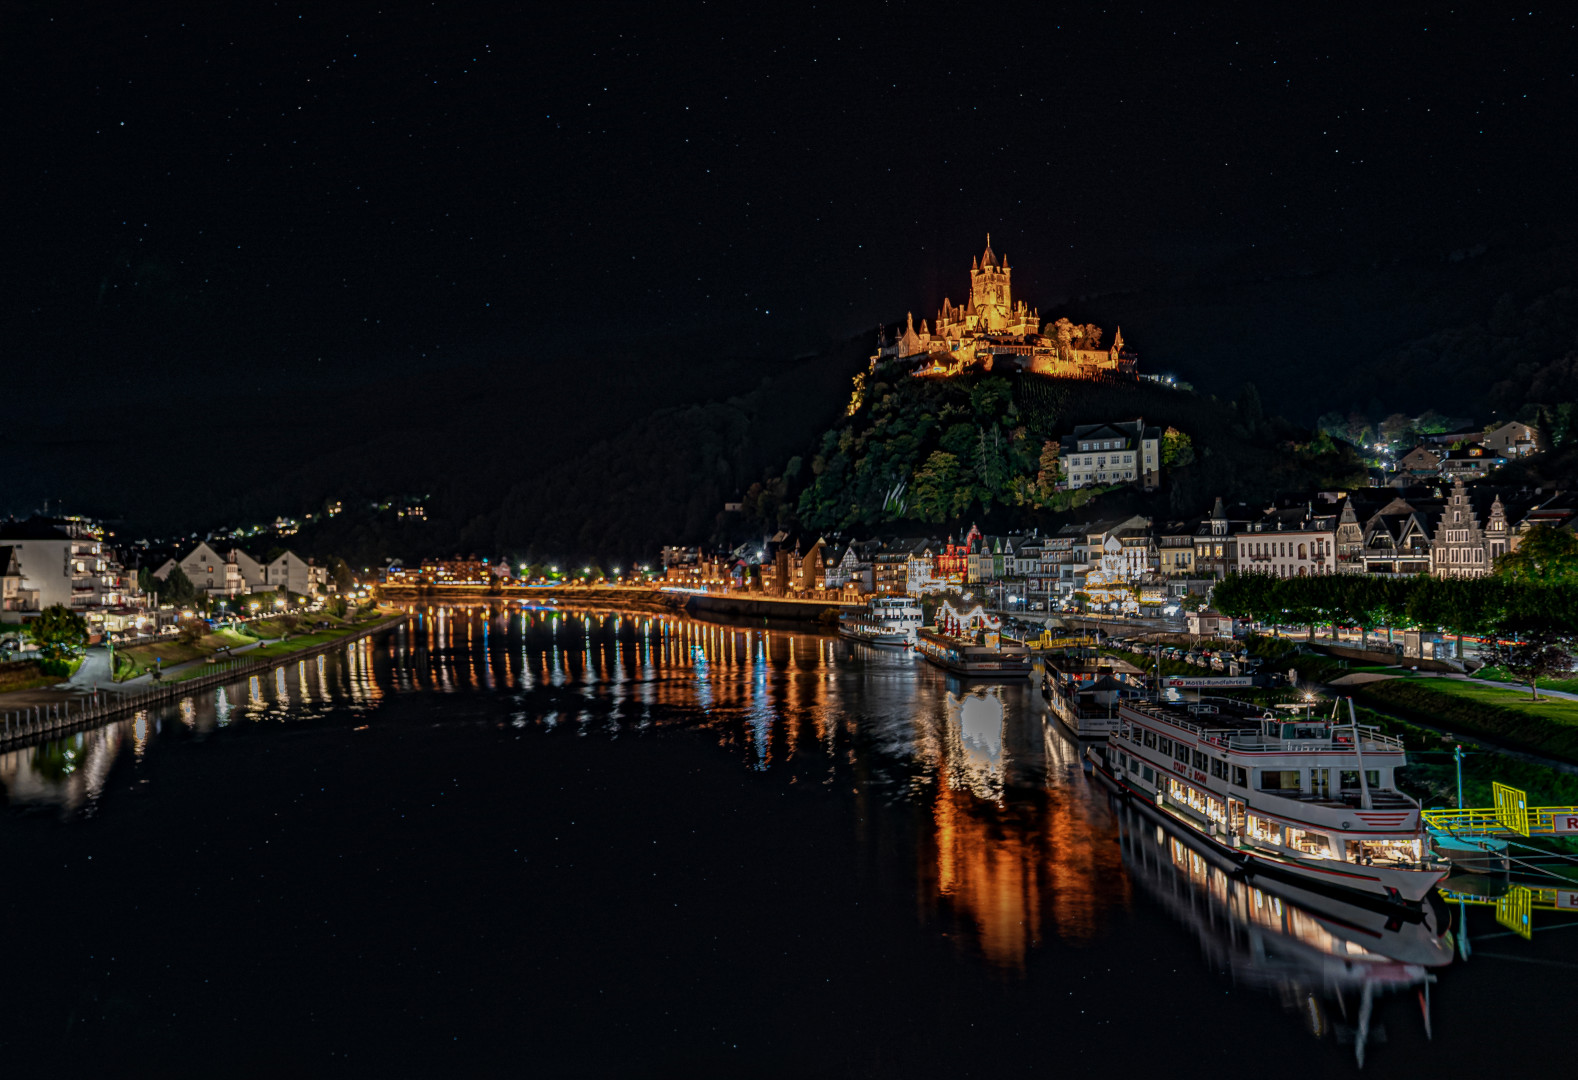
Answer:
(1012, 844)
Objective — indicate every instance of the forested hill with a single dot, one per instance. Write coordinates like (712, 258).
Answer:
(944, 452)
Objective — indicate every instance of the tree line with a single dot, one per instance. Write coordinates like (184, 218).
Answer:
(1449, 605)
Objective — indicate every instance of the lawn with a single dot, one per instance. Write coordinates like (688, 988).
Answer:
(134, 660)
(1507, 717)
(1569, 686)
(273, 650)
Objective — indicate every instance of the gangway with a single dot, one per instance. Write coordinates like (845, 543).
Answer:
(1511, 816)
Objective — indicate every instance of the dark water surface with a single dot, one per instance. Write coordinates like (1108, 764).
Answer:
(504, 841)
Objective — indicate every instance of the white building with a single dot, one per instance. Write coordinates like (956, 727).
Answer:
(1119, 453)
(1512, 439)
(1289, 544)
(64, 561)
(292, 574)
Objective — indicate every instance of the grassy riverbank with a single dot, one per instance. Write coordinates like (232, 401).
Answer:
(1506, 717)
(272, 638)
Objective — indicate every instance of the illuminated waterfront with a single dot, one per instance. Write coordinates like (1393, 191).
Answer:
(604, 843)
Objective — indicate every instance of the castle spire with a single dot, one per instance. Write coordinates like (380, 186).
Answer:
(987, 258)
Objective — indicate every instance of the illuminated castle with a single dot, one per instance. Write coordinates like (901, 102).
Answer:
(993, 330)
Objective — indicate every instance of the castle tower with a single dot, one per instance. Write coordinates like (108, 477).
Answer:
(991, 290)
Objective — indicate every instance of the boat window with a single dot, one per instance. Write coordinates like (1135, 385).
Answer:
(1180, 752)
(1150, 739)
(1199, 759)
(1279, 779)
(1264, 829)
(1166, 746)
(1219, 768)
(1290, 731)
(1150, 777)
(1240, 776)
(1310, 843)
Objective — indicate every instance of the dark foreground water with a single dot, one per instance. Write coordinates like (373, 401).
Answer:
(544, 844)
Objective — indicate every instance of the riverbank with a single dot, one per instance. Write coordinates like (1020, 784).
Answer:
(25, 722)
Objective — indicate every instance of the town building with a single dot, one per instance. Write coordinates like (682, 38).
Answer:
(231, 574)
(1124, 452)
(1350, 539)
(14, 595)
(1216, 543)
(1175, 550)
(1512, 440)
(1420, 463)
(1397, 541)
(1470, 463)
(1289, 543)
(290, 573)
(1461, 547)
(49, 561)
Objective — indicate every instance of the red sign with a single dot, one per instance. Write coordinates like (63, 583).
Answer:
(1567, 898)
(1565, 823)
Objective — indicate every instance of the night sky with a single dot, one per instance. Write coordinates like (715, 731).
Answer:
(280, 208)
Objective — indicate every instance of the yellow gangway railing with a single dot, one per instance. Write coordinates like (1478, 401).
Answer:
(1512, 814)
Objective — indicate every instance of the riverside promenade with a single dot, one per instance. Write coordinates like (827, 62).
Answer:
(35, 715)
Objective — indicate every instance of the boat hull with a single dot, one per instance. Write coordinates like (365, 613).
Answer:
(895, 638)
(1400, 887)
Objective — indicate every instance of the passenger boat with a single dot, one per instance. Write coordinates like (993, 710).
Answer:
(994, 657)
(1083, 693)
(886, 620)
(1306, 800)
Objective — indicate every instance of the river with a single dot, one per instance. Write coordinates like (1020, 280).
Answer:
(590, 843)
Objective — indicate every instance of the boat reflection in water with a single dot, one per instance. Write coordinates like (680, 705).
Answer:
(1310, 949)
(974, 741)
(1020, 848)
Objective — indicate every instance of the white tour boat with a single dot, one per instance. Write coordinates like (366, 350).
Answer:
(886, 620)
(1307, 800)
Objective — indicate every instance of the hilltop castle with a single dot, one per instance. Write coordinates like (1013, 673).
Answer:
(993, 330)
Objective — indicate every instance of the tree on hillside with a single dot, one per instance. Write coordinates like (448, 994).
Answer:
(936, 487)
(1535, 654)
(191, 631)
(178, 589)
(59, 630)
(344, 580)
(1177, 448)
(1545, 556)
(1050, 472)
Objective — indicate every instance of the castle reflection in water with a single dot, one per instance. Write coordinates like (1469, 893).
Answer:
(1011, 844)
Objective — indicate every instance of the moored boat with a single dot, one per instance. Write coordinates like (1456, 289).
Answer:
(886, 620)
(1084, 692)
(991, 657)
(1306, 800)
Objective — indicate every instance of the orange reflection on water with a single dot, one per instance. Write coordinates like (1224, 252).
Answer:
(1011, 863)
